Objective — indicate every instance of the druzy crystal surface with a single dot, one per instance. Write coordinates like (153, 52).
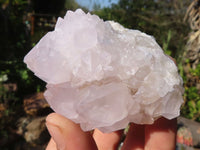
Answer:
(102, 75)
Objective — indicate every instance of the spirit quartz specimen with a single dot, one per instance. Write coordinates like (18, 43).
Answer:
(102, 75)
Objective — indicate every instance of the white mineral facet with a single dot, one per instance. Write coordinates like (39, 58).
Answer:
(102, 75)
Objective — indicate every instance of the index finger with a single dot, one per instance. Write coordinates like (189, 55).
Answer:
(161, 135)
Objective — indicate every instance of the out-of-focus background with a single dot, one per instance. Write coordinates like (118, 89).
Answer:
(175, 24)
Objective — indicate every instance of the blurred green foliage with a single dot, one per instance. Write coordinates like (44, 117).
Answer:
(14, 44)
(8, 108)
(196, 72)
(166, 43)
(191, 108)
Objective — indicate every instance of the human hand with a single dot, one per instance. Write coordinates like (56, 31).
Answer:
(66, 135)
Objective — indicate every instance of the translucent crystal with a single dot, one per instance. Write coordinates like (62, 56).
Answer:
(102, 75)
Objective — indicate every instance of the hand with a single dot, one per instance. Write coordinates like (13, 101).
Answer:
(67, 135)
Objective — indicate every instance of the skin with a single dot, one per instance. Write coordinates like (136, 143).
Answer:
(67, 135)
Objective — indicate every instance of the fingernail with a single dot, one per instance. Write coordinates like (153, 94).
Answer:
(57, 135)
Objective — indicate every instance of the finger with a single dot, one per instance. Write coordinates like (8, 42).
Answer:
(161, 135)
(68, 135)
(134, 138)
(107, 141)
(51, 145)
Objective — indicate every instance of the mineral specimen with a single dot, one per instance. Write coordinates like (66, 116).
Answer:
(102, 75)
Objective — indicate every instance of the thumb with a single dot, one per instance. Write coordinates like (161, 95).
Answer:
(68, 135)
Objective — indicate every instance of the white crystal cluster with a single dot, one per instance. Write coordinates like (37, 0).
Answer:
(102, 75)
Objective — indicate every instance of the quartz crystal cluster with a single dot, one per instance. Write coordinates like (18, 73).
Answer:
(102, 75)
